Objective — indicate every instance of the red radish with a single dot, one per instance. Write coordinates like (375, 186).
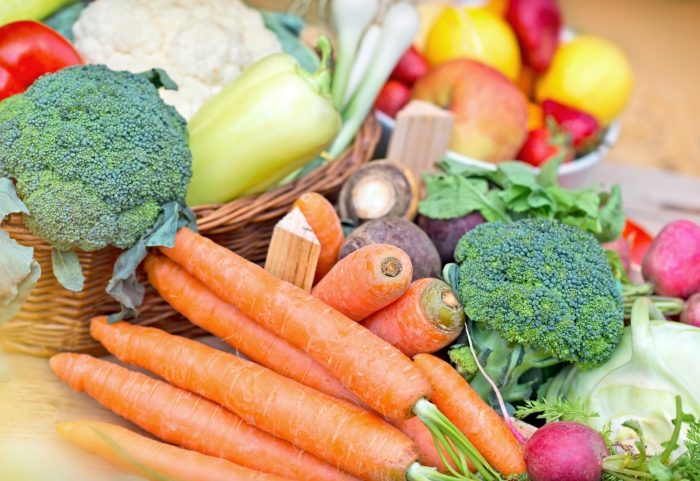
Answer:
(393, 97)
(410, 68)
(583, 127)
(691, 311)
(672, 263)
(565, 451)
(537, 24)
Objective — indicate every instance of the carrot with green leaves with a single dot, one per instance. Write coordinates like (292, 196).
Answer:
(154, 460)
(477, 420)
(427, 451)
(335, 431)
(197, 303)
(426, 318)
(185, 419)
(383, 377)
(324, 221)
(366, 281)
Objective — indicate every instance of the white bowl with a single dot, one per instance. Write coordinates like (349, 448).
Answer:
(571, 174)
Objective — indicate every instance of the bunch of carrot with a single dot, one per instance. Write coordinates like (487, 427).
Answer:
(316, 376)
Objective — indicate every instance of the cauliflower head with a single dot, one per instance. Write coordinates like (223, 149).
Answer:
(94, 154)
(202, 44)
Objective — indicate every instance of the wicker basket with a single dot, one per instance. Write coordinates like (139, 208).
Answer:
(56, 320)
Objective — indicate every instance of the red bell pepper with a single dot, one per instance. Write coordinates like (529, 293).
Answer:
(29, 50)
(639, 240)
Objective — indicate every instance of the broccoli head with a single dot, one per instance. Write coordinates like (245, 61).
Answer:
(94, 154)
(537, 293)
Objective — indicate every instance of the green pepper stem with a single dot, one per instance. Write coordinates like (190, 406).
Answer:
(321, 78)
(452, 445)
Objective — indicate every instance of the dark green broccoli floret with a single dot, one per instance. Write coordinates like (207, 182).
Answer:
(538, 293)
(95, 154)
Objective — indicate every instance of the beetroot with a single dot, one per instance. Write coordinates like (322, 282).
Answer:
(691, 311)
(565, 451)
(672, 263)
(446, 233)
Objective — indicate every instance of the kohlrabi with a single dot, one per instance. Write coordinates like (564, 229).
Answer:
(656, 361)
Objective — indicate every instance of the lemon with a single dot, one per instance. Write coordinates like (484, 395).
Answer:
(475, 33)
(428, 13)
(591, 74)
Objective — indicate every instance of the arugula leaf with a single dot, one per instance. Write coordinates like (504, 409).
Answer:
(612, 218)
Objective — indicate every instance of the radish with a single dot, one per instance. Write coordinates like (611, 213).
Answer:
(672, 263)
(691, 311)
(565, 451)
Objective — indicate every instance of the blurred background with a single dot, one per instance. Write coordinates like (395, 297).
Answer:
(660, 127)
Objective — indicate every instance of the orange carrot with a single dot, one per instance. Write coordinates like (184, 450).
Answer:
(180, 417)
(366, 281)
(419, 433)
(324, 221)
(486, 430)
(426, 318)
(333, 430)
(193, 300)
(151, 459)
(377, 372)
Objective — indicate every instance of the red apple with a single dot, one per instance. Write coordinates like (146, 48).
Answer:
(490, 113)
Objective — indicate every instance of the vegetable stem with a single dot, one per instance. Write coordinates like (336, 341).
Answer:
(453, 443)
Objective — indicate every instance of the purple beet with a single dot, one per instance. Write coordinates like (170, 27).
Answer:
(445, 233)
(691, 311)
(565, 451)
(672, 263)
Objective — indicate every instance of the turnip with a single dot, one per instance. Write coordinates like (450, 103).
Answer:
(691, 311)
(565, 451)
(672, 263)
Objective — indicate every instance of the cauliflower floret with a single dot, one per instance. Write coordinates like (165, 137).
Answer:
(202, 44)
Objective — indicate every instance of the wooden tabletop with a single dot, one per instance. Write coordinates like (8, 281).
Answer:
(34, 400)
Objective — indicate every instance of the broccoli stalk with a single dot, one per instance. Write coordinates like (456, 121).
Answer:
(538, 293)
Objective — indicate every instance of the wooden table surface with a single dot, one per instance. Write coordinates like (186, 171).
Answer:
(34, 400)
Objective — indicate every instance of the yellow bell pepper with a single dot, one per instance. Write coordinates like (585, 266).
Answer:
(271, 120)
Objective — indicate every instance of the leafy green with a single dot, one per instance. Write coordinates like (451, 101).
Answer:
(288, 27)
(62, 21)
(558, 409)
(515, 191)
(66, 268)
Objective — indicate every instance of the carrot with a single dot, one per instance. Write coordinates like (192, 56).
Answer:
(366, 281)
(193, 300)
(151, 459)
(486, 430)
(324, 221)
(419, 433)
(335, 431)
(382, 376)
(180, 417)
(426, 318)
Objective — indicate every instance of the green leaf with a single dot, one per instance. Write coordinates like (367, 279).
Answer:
(18, 275)
(159, 78)
(450, 166)
(9, 202)
(124, 285)
(549, 172)
(617, 267)
(67, 270)
(287, 29)
(660, 470)
(612, 217)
